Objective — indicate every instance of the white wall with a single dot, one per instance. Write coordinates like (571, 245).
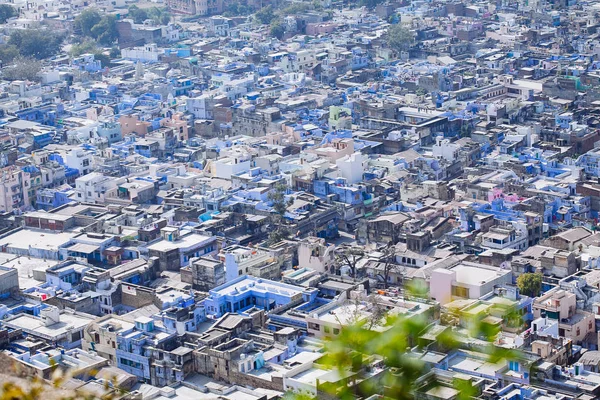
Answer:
(440, 285)
(351, 167)
(227, 167)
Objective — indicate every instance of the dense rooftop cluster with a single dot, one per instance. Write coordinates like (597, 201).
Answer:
(198, 197)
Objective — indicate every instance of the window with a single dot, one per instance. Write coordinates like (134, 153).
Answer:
(552, 314)
(336, 331)
(326, 329)
(460, 292)
(130, 363)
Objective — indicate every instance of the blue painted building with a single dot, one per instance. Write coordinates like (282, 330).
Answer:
(247, 291)
(47, 199)
(46, 114)
(352, 195)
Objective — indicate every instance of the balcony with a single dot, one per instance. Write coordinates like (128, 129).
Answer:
(163, 363)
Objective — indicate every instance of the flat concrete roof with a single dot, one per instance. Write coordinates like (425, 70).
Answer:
(252, 283)
(473, 275)
(34, 326)
(36, 238)
(184, 242)
(46, 215)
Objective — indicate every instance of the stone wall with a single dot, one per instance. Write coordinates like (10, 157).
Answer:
(136, 296)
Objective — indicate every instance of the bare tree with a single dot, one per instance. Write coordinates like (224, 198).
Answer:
(389, 263)
(350, 256)
(378, 312)
(367, 311)
(22, 68)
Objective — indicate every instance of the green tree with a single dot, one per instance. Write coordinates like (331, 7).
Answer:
(91, 47)
(277, 30)
(139, 15)
(160, 16)
(265, 15)
(37, 43)
(466, 129)
(8, 53)
(530, 284)
(7, 11)
(102, 28)
(103, 58)
(85, 47)
(236, 8)
(279, 204)
(370, 3)
(115, 52)
(400, 38)
(295, 8)
(87, 20)
(105, 32)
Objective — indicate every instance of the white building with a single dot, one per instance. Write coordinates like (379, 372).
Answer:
(146, 53)
(444, 149)
(95, 188)
(80, 160)
(200, 106)
(225, 167)
(466, 280)
(352, 167)
(64, 329)
(505, 238)
(268, 163)
(240, 260)
(314, 253)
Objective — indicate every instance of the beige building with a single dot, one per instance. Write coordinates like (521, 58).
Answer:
(561, 305)
(14, 189)
(100, 335)
(314, 253)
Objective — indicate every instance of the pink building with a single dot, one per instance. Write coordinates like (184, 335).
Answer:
(320, 28)
(179, 125)
(131, 124)
(560, 305)
(337, 149)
